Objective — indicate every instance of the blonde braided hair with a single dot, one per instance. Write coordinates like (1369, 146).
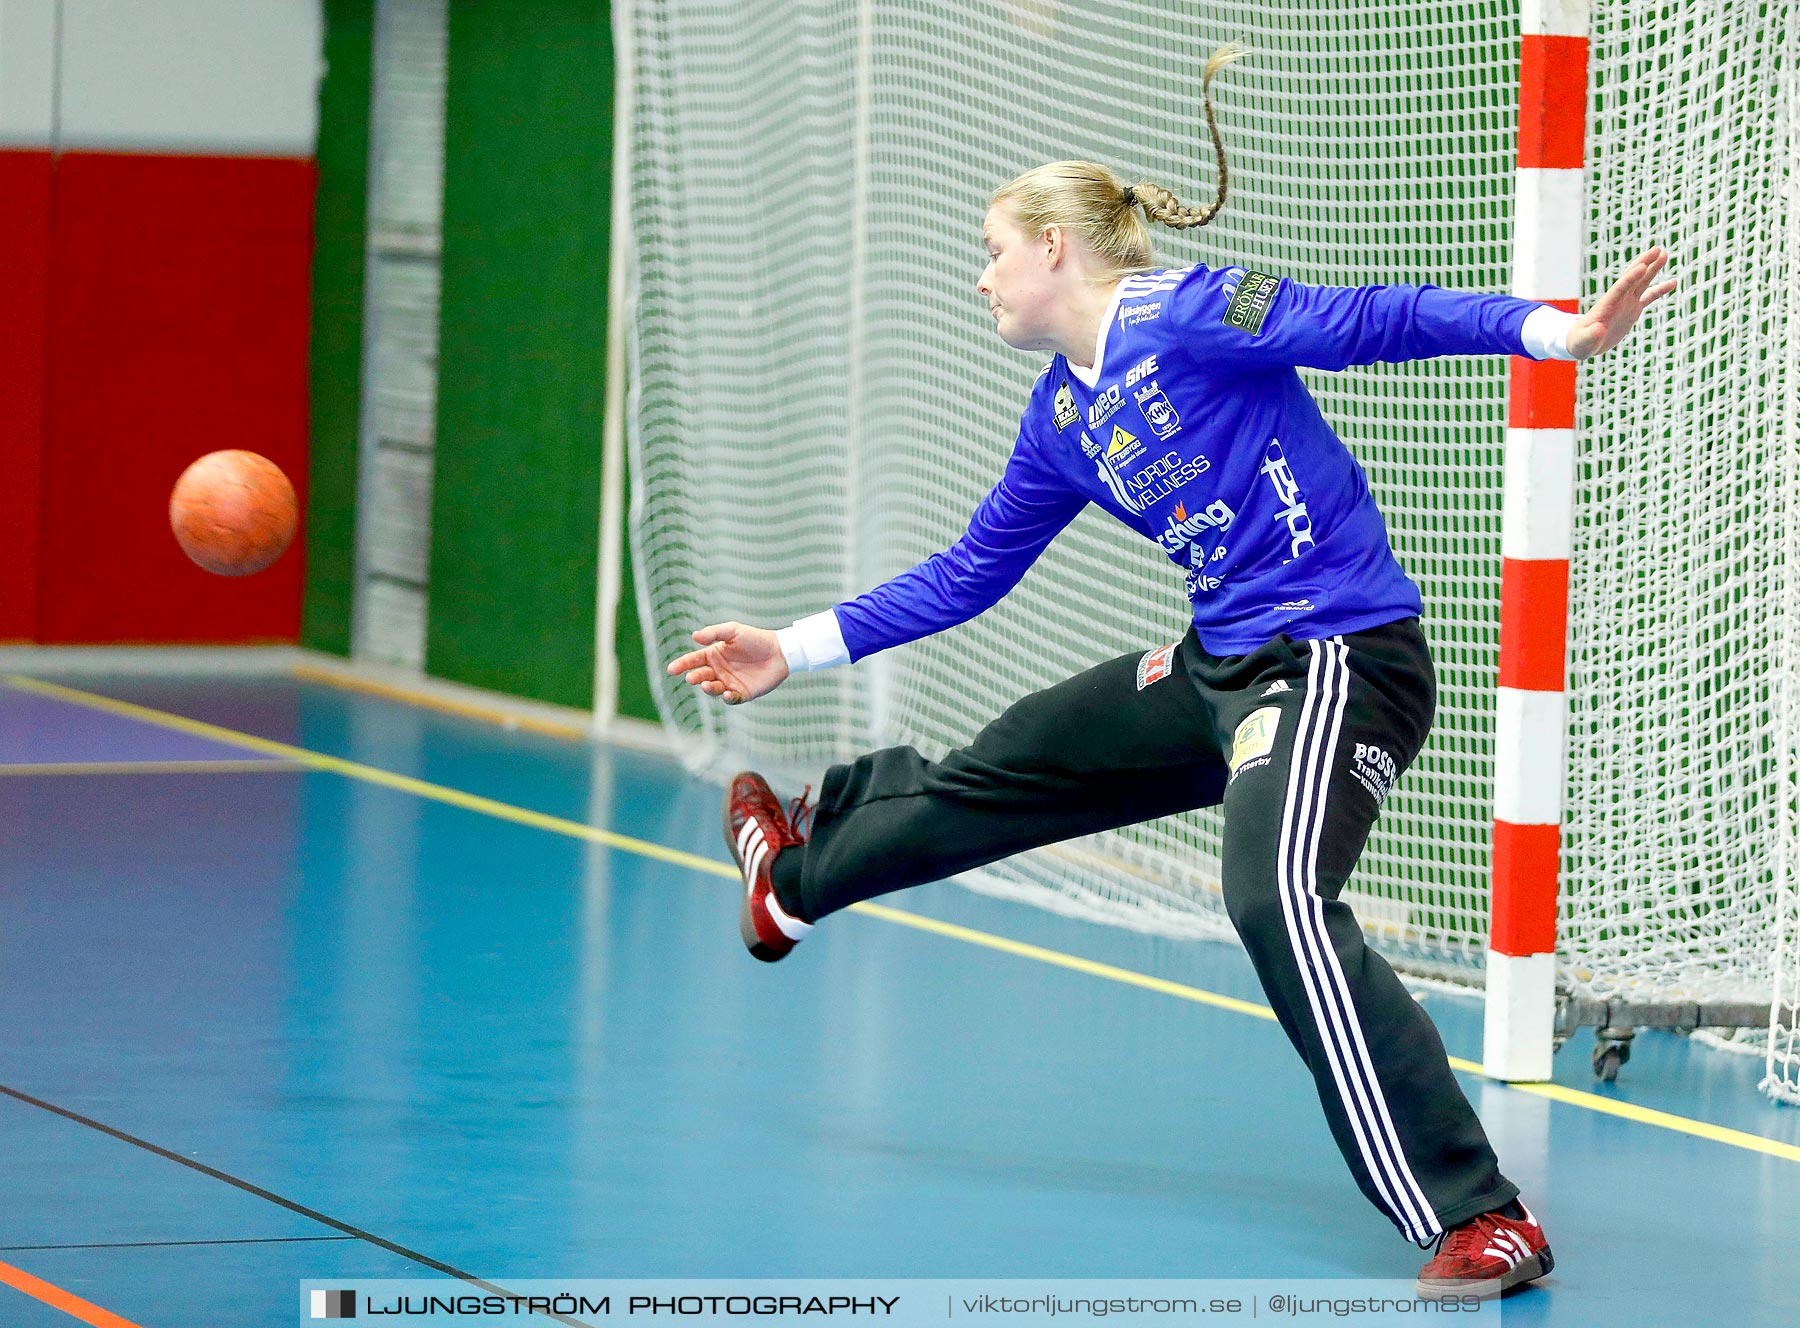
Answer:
(1088, 200)
(1159, 203)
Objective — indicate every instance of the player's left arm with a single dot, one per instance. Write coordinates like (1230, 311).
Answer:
(1605, 325)
(1256, 319)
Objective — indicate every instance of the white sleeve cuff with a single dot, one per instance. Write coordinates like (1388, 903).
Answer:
(1546, 333)
(812, 643)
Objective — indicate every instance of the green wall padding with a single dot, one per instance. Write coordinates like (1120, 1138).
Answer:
(522, 348)
(340, 208)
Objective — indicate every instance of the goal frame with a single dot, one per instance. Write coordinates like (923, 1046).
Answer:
(1536, 536)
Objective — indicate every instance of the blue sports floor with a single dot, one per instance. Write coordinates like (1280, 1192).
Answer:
(404, 1004)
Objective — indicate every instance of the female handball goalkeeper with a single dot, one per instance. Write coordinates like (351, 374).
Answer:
(1301, 692)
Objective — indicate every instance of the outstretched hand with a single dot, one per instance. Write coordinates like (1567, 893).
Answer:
(735, 663)
(1605, 325)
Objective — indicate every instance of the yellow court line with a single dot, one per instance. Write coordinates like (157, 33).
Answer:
(559, 825)
(1556, 1092)
(1061, 960)
(467, 709)
(374, 775)
(1649, 1116)
(226, 767)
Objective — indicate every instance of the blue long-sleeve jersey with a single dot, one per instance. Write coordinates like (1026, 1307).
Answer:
(1193, 428)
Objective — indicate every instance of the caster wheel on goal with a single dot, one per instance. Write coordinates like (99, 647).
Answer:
(1612, 1048)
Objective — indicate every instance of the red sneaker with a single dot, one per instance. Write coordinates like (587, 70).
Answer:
(1486, 1255)
(757, 829)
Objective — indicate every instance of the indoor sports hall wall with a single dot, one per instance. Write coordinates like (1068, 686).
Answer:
(156, 210)
(479, 439)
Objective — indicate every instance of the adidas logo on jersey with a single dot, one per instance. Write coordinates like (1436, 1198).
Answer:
(1279, 685)
(1149, 283)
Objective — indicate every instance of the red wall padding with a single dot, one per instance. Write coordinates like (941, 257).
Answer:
(24, 278)
(178, 326)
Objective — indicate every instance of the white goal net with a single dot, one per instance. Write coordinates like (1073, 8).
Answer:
(819, 400)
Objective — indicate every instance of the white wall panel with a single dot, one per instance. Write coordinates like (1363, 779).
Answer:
(27, 72)
(211, 76)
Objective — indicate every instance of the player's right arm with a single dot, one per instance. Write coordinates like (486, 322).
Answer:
(1013, 525)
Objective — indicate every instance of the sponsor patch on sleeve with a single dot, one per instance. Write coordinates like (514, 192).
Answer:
(1155, 665)
(1248, 308)
(1064, 407)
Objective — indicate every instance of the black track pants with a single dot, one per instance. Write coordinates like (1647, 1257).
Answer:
(1301, 741)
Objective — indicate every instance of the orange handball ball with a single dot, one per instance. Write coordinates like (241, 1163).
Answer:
(233, 512)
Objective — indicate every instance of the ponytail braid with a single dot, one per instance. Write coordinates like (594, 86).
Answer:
(1159, 203)
(1088, 200)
